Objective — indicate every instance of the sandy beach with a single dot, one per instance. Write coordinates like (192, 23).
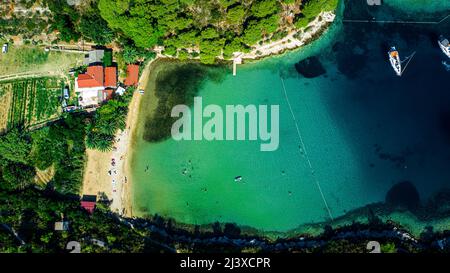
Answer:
(107, 172)
(94, 181)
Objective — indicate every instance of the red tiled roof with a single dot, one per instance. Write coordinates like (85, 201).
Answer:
(92, 78)
(84, 80)
(88, 205)
(96, 72)
(110, 76)
(132, 75)
(84, 77)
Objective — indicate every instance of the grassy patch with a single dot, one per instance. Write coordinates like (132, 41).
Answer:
(21, 59)
(107, 58)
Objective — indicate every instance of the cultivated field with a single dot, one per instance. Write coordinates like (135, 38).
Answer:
(5, 101)
(28, 102)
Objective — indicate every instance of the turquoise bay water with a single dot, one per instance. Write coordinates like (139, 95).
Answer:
(363, 128)
(412, 6)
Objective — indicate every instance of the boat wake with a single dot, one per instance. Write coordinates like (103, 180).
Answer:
(446, 65)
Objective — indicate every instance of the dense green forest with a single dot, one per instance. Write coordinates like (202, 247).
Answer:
(212, 28)
(186, 28)
(32, 214)
(23, 153)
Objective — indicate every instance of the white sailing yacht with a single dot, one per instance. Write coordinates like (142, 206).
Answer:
(394, 58)
(396, 63)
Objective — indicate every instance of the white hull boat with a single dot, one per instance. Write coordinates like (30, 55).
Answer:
(394, 58)
(444, 44)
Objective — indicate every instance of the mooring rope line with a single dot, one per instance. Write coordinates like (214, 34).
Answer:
(396, 22)
(409, 60)
(305, 152)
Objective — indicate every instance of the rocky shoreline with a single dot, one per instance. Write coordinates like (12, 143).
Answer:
(355, 236)
(375, 222)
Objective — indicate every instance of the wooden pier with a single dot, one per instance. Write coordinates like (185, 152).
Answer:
(237, 60)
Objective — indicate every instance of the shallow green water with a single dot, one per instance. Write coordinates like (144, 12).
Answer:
(341, 119)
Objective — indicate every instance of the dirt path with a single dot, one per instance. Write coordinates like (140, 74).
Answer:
(28, 75)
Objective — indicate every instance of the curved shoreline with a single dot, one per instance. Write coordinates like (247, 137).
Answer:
(290, 42)
(117, 185)
(125, 205)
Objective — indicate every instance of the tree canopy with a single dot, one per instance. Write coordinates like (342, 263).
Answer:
(264, 7)
(94, 28)
(108, 119)
(192, 24)
(15, 146)
(187, 27)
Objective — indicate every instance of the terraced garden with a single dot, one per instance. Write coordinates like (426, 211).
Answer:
(30, 101)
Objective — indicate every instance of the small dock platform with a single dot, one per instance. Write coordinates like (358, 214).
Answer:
(237, 60)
